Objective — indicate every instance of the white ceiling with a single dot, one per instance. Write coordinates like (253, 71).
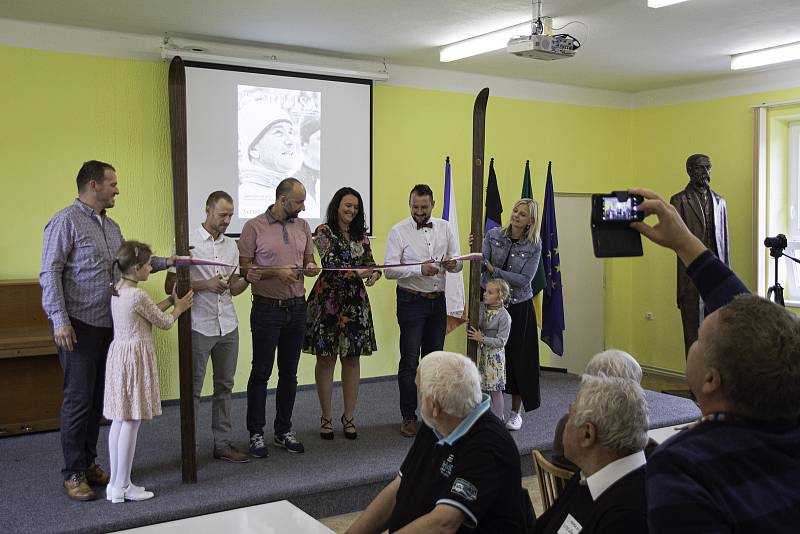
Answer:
(629, 47)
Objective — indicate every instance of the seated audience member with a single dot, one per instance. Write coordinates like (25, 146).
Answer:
(737, 470)
(462, 473)
(605, 436)
(611, 362)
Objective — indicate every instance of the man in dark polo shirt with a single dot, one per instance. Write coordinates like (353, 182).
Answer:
(277, 250)
(462, 473)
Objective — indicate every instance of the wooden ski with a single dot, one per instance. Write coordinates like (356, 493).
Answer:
(177, 126)
(476, 228)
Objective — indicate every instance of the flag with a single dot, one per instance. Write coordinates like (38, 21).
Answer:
(538, 282)
(553, 305)
(494, 208)
(454, 282)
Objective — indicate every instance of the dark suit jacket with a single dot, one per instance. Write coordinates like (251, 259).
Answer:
(621, 509)
(689, 207)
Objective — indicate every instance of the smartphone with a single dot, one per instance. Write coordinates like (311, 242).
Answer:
(610, 219)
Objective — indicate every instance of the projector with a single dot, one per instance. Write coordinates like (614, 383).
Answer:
(547, 47)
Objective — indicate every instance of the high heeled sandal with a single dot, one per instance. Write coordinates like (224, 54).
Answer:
(348, 425)
(325, 428)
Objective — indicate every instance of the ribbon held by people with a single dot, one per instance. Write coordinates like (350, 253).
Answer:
(186, 261)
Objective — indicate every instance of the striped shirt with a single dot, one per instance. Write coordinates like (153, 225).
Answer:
(728, 475)
(78, 249)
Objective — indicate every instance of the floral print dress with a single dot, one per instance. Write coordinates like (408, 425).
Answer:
(491, 361)
(338, 313)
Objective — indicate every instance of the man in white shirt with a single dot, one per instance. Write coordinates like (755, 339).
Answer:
(421, 308)
(605, 436)
(214, 325)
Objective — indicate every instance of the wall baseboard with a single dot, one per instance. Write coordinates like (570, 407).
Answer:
(661, 371)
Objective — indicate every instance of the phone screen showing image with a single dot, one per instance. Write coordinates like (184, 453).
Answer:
(615, 210)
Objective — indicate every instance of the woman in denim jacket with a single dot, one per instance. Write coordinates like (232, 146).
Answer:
(512, 253)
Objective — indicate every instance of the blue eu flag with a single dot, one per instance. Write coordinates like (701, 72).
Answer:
(553, 301)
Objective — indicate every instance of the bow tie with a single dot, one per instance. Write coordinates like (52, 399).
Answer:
(426, 225)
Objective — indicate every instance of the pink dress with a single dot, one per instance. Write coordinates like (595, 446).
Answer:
(132, 390)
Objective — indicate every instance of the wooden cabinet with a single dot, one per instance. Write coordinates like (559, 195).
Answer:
(31, 379)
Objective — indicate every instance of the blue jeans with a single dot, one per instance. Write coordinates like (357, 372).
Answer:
(422, 327)
(84, 385)
(274, 327)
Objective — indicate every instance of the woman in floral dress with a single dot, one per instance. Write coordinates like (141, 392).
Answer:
(339, 317)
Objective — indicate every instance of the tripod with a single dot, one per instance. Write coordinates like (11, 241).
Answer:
(775, 292)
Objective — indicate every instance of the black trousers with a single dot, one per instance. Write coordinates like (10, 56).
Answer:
(280, 328)
(84, 384)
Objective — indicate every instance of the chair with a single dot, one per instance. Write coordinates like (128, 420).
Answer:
(552, 479)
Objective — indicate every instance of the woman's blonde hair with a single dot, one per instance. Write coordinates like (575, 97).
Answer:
(532, 234)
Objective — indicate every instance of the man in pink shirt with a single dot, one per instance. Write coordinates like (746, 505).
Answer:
(276, 250)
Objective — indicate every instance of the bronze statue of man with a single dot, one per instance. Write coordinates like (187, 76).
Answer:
(706, 215)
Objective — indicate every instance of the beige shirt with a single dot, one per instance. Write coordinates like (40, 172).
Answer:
(272, 242)
(212, 314)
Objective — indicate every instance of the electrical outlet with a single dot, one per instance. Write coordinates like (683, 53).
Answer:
(649, 316)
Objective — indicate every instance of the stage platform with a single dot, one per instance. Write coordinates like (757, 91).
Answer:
(330, 478)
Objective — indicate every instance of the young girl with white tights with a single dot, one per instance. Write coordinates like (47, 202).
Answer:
(131, 387)
(495, 324)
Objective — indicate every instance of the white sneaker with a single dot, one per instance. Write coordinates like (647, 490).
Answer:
(131, 493)
(137, 493)
(514, 421)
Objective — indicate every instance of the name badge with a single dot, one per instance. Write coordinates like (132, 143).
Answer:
(570, 526)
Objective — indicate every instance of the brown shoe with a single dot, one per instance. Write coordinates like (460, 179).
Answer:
(96, 476)
(408, 428)
(78, 489)
(230, 454)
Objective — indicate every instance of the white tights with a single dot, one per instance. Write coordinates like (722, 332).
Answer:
(497, 404)
(121, 446)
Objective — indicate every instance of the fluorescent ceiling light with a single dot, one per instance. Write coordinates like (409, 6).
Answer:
(663, 3)
(488, 42)
(766, 56)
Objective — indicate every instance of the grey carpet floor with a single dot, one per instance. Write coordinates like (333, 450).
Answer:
(330, 478)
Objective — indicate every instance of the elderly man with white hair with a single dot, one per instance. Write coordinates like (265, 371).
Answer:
(611, 362)
(604, 436)
(463, 470)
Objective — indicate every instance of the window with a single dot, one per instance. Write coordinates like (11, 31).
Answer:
(792, 232)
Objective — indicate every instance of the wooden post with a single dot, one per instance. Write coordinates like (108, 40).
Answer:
(177, 124)
(476, 228)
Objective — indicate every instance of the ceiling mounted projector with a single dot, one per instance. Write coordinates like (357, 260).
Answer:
(541, 43)
(546, 47)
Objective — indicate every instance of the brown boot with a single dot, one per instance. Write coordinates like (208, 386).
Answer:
(408, 428)
(78, 489)
(96, 476)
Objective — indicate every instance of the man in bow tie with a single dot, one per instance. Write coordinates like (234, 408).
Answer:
(421, 309)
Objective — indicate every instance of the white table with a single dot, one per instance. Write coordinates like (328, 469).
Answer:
(662, 434)
(274, 517)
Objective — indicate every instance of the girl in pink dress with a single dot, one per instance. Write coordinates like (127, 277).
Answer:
(132, 390)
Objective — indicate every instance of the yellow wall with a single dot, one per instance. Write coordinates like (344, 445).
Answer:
(61, 109)
(662, 138)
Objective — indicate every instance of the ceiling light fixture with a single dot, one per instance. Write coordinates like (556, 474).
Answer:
(488, 42)
(663, 3)
(766, 56)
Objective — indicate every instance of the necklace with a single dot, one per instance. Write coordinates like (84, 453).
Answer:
(135, 282)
